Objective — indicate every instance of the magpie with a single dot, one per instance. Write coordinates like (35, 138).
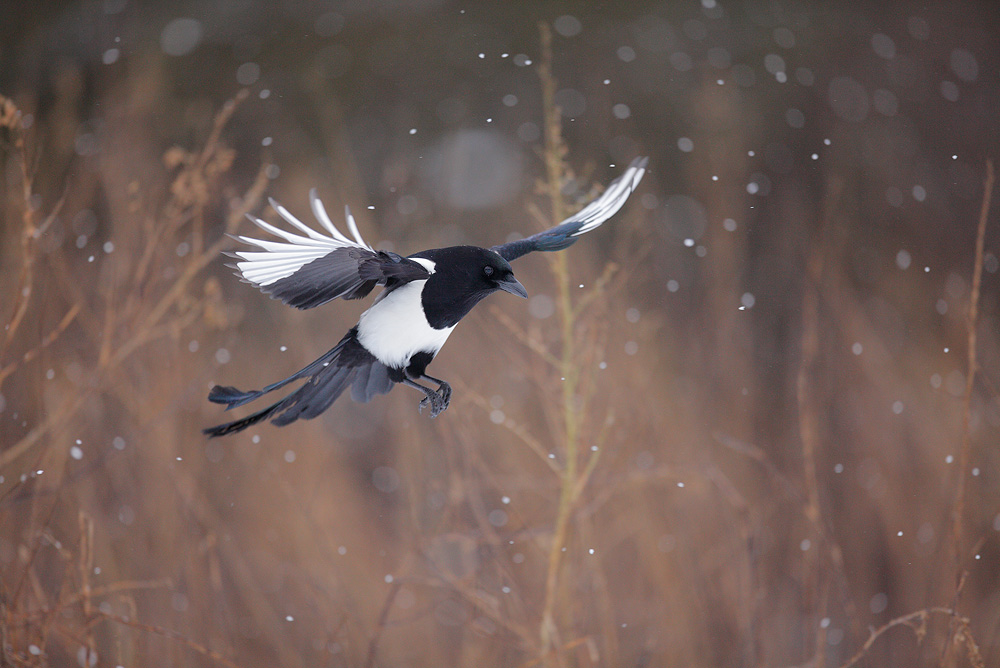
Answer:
(424, 296)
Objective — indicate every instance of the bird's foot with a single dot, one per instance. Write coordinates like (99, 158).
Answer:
(438, 401)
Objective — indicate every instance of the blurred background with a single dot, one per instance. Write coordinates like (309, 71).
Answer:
(730, 430)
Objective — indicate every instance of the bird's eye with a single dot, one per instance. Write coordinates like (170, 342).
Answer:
(488, 270)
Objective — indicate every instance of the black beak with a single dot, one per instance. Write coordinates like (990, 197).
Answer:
(513, 286)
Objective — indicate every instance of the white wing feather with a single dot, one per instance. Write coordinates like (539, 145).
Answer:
(610, 201)
(280, 259)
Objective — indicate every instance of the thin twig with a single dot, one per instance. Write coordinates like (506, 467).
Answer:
(97, 592)
(168, 633)
(958, 510)
(515, 428)
(808, 405)
(518, 332)
(22, 295)
(555, 172)
(917, 621)
(47, 341)
(383, 618)
(586, 640)
(965, 450)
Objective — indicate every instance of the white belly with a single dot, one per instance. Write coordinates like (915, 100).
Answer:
(395, 328)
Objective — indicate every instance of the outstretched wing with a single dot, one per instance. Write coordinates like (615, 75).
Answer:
(590, 217)
(306, 271)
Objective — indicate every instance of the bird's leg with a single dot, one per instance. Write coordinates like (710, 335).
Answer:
(431, 397)
(444, 389)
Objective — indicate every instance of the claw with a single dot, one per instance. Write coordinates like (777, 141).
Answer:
(437, 407)
(437, 400)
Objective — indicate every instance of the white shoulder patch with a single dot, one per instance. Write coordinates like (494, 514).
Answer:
(425, 263)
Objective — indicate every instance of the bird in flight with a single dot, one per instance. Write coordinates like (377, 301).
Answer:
(424, 297)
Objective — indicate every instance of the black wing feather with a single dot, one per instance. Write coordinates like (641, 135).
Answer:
(348, 273)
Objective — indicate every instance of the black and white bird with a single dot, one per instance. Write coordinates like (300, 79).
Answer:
(424, 297)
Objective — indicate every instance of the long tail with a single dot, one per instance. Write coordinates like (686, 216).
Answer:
(240, 425)
(226, 394)
(346, 364)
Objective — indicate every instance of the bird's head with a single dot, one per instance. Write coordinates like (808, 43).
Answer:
(470, 271)
(461, 276)
(497, 275)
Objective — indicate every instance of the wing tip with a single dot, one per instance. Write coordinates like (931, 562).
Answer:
(636, 169)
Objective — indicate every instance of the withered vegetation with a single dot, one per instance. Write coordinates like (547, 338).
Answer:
(598, 494)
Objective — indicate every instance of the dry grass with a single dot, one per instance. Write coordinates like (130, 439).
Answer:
(579, 505)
